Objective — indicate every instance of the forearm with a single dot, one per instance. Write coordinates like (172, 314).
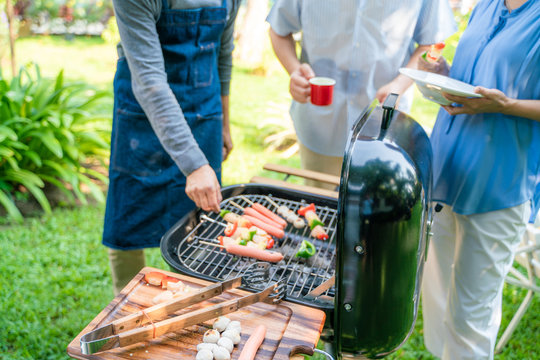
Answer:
(225, 109)
(405, 81)
(285, 50)
(529, 109)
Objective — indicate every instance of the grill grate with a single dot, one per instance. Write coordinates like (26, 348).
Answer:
(301, 275)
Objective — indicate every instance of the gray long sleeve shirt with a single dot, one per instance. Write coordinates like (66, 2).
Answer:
(140, 45)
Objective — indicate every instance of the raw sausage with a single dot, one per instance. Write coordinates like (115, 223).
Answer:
(269, 214)
(253, 343)
(253, 252)
(272, 230)
(252, 212)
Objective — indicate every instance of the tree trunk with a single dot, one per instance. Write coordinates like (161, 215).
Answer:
(9, 13)
(253, 35)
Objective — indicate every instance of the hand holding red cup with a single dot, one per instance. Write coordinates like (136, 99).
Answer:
(322, 90)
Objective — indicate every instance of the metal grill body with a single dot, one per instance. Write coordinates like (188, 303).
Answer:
(187, 249)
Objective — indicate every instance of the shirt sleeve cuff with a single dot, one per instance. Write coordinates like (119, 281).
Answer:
(190, 163)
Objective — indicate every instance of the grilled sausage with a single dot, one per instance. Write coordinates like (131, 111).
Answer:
(253, 343)
(253, 252)
(269, 214)
(252, 212)
(272, 230)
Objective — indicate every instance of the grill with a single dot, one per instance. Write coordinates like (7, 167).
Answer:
(378, 231)
(188, 247)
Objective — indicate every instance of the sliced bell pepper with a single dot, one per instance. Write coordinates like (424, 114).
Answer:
(222, 213)
(307, 250)
(243, 242)
(302, 211)
(220, 238)
(269, 243)
(314, 223)
(231, 228)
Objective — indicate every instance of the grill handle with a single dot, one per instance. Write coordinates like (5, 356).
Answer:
(388, 106)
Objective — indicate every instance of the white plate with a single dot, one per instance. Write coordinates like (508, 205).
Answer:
(432, 85)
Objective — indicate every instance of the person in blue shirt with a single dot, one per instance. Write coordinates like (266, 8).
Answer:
(486, 171)
(359, 43)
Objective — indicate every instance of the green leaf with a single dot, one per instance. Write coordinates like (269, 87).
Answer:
(10, 207)
(6, 152)
(51, 180)
(7, 133)
(23, 177)
(48, 139)
(34, 157)
(63, 173)
(93, 138)
(59, 81)
(39, 196)
(94, 189)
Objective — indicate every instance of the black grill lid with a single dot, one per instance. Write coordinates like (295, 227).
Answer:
(383, 214)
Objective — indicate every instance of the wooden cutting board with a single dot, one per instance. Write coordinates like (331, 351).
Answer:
(291, 328)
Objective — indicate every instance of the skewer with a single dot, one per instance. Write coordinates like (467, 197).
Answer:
(236, 205)
(204, 217)
(246, 199)
(212, 244)
(269, 199)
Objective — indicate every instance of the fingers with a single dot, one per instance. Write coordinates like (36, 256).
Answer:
(203, 188)
(299, 88)
(306, 71)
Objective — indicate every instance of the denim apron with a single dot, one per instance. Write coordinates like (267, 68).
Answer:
(147, 190)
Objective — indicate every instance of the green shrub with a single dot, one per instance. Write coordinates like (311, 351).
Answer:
(48, 131)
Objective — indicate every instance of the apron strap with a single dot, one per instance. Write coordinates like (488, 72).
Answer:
(165, 5)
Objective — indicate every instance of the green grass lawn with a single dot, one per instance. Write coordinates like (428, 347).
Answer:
(54, 275)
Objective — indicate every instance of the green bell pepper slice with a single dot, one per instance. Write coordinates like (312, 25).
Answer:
(307, 250)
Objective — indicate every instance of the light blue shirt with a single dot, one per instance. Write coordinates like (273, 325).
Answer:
(491, 161)
(361, 44)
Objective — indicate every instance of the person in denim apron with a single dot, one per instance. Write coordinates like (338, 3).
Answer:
(160, 169)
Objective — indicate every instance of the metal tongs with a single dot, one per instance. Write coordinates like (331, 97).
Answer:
(127, 330)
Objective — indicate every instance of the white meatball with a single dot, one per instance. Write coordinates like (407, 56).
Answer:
(221, 323)
(235, 325)
(205, 354)
(206, 346)
(299, 223)
(283, 210)
(232, 334)
(226, 343)
(291, 217)
(211, 336)
(220, 353)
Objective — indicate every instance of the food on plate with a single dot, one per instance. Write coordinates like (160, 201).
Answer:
(211, 336)
(253, 343)
(269, 214)
(175, 286)
(207, 346)
(307, 250)
(315, 224)
(220, 353)
(233, 335)
(434, 52)
(154, 278)
(235, 325)
(205, 354)
(221, 323)
(226, 343)
(162, 297)
(253, 252)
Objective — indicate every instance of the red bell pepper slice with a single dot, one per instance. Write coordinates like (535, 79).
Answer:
(270, 243)
(230, 229)
(302, 211)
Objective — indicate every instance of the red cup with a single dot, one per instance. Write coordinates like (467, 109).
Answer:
(322, 90)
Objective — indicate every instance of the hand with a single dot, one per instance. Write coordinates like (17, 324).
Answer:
(493, 101)
(203, 188)
(399, 85)
(439, 67)
(299, 84)
(227, 142)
